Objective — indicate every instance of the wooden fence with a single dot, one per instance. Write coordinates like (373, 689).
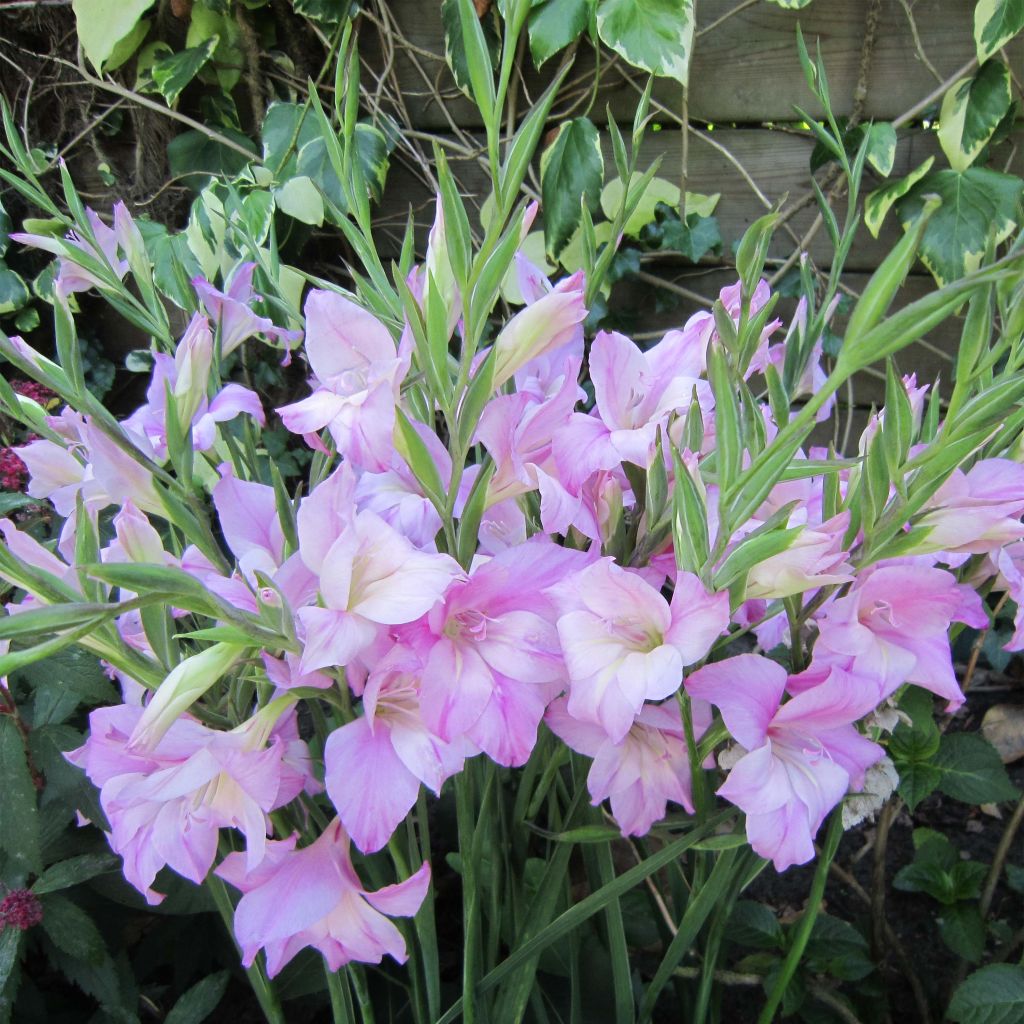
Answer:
(888, 61)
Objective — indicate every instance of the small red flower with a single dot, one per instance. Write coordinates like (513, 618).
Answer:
(20, 909)
(13, 472)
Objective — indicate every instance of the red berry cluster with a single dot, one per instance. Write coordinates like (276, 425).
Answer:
(13, 472)
(20, 909)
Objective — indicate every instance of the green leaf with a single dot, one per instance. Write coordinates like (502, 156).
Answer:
(571, 169)
(656, 35)
(962, 928)
(19, 821)
(10, 947)
(196, 157)
(972, 770)
(72, 930)
(14, 292)
(199, 1001)
(790, 5)
(73, 871)
(755, 925)
(102, 24)
(996, 22)
(554, 24)
(971, 112)
(455, 47)
(694, 239)
(878, 203)
(993, 995)
(172, 74)
(977, 204)
(838, 949)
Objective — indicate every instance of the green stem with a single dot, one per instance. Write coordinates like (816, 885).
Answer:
(358, 980)
(470, 895)
(803, 933)
(341, 999)
(261, 985)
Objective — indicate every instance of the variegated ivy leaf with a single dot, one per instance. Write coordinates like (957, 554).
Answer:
(878, 203)
(172, 74)
(996, 22)
(790, 5)
(971, 111)
(881, 147)
(659, 190)
(571, 171)
(656, 35)
(977, 205)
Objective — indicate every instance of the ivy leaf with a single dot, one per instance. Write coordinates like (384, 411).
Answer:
(972, 770)
(881, 152)
(993, 995)
(656, 35)
(878, 203)
(195, 156)
(19, 822)
(14, 292)
(287, 127)
(102, 24)
(976, 204)
(554, 25)
(971, 111)
(172, 74)
(698, 236)
(300, 198)
(996, 22)
(199, 1001)
(790, 5)
(455, 49)
(571, 170)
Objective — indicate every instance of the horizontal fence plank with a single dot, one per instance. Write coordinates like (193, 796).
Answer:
(745, 69)
(776, 160)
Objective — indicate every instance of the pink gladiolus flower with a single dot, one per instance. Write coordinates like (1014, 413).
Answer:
(370, 576)
(802, 756)
(313, 897)
(892, 628)
(518, 431)
(231, 311)
(815, 559)
(359, 372)
(624, 644)
(165, 806)
(551, 322)
(71, 276)
(635, 394)
(976, 512)
(375, 764)
(185, 376)
(643, 772)
(56, 474)
(491, 651)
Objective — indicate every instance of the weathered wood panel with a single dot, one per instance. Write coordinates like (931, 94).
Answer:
(746, 69)
(776, 160)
